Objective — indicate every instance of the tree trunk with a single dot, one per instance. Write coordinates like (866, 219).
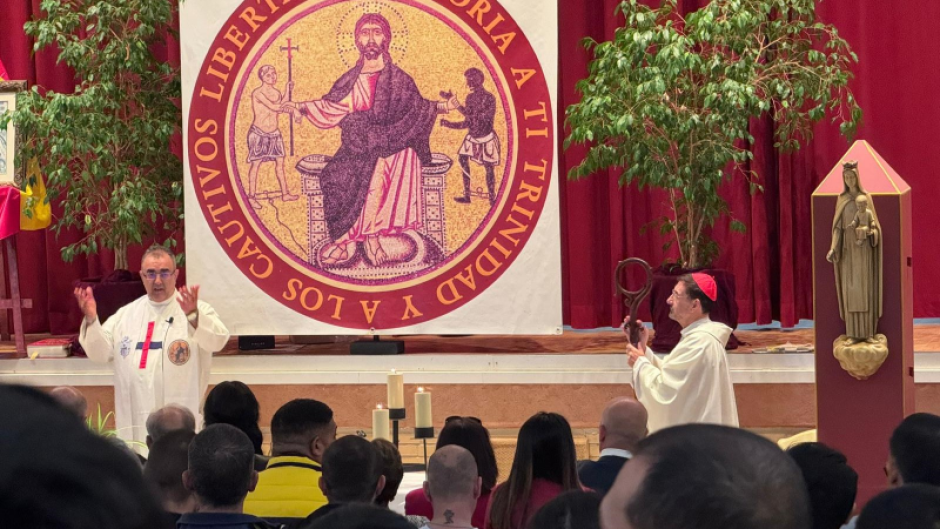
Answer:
(120, 255)
(694, 234)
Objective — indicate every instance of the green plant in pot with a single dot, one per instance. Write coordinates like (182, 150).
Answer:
(670, 100)
(101, 425)
(105, 148)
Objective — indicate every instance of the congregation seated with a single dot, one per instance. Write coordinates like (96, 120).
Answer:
(362, 516)
(72, 399)
(832, 484)
(705, 476)
(352, 473)
(220, 474)
(544, 466)
(695, 476)
(914, 451)
(453, 486)
(169, 458)
(54, 472)
(623, 425)
(167, 419)
(575, 509)
(394, 472)
(469, 433)
(233, 402)
(289, 487)
(915, 506)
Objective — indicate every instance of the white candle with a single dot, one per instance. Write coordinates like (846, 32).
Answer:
(396, 390)
(423, 409)
(380, 423)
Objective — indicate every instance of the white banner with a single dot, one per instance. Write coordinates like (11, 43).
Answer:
(383, 166)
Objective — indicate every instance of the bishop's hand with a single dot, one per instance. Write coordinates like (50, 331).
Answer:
(87, 303)
(633, 354)
(188, 298)
(644, 335)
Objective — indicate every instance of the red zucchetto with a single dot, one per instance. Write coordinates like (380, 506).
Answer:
(707, 284)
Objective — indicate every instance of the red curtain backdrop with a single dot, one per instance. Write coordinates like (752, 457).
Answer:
(601, 223)
(895, 78)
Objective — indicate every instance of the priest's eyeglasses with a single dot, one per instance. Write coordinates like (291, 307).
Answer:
(163, 274)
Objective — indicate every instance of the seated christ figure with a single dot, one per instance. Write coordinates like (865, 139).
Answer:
(372, 186)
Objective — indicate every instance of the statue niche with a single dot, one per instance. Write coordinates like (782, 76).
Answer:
(856, 257)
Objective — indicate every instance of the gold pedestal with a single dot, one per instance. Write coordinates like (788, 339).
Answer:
(860, 359)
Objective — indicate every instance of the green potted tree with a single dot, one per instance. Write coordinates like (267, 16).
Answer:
(671, 98)
(105, 148)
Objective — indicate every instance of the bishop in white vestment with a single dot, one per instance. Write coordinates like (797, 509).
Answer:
(693, 383)
(160, 345)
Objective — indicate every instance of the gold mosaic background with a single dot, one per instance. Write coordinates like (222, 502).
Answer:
(424, 47)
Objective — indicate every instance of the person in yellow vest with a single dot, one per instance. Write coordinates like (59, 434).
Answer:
(289, 487)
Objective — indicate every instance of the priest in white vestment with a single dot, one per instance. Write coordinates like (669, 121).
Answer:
(692, 384)
(160, 345)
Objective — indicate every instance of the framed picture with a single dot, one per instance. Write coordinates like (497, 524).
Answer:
(9, 172)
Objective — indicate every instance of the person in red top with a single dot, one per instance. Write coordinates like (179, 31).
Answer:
(469, 433)
(545, 465)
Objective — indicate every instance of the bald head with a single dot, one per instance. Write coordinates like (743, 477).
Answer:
(71, 399)
(452, 475)
(167, 419)
(623, 424)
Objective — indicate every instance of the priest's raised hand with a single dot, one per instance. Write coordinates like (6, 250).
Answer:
(87, 303)
(189, 302)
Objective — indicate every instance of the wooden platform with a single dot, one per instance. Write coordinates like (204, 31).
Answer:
(926, 339)
(571, 342)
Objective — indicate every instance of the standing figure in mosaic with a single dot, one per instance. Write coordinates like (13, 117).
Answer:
(265, 142)
(481, 144)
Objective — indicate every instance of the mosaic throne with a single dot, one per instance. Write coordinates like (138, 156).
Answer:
(432, 199)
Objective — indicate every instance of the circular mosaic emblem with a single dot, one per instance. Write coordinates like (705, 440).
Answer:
(178, 352)
(371, 164)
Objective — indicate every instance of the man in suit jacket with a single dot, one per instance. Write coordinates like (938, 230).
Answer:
(623, 425)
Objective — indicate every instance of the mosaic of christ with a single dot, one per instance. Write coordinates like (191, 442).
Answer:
(371, 140)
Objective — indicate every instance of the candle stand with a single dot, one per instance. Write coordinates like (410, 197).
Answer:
(424, 434)
(396, 415)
